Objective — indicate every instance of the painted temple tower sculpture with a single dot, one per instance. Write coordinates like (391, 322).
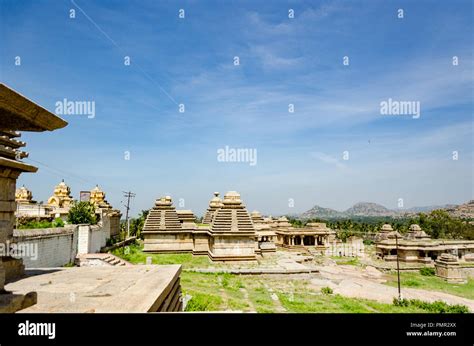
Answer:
(61, 197)
(24, 196)
(97, 198)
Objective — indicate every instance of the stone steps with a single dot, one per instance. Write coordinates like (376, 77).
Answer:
(96, 258)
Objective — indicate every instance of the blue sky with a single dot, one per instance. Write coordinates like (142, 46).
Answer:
(282, 61)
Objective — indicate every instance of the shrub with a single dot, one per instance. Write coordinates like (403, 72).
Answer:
(58, 222)
(326, 290)
(82, 213)
(427, 271)
(35, 224)
(437, 306)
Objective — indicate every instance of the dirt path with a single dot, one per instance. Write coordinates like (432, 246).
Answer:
(275, 299)
(247, 300)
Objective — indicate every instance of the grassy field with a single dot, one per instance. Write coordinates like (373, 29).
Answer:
(433, 283)
(270, 294)
(346, 260)
(220, 292)
(135, 255)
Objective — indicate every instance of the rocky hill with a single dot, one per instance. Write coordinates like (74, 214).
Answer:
(367, 209)
(322, 213)
(465, 211)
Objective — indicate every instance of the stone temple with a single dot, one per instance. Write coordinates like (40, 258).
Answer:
(17, 113)
(163, 230)
(147, 288)
(418, 247)
(229, 233)
(232, 233)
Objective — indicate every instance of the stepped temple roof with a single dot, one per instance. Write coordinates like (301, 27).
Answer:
(162, 217)
(387, 232)
(415, 232)
(282, 223)
(186, 216)
(256, 217)
(187, 219)
(214, 204)
(232, 216)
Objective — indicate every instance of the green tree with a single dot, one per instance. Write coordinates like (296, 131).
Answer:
(136, 224)
(82, 213)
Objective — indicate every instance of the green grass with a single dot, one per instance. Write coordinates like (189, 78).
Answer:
(135, 255)
(433, 283)
(306, 303)
(346, 260)
(203, 302)
(438, 307)
(223, 291)
(219, 292)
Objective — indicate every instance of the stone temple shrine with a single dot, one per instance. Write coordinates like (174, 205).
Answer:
(17, 113)
(228, 235)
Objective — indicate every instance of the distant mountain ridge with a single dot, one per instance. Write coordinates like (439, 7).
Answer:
(368, 209)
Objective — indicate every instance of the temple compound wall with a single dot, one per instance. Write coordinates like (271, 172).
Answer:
(56, 247)
(47, 247)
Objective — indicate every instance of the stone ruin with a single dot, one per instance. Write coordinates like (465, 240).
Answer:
(214, 204)
(447, 267)
(230, 236)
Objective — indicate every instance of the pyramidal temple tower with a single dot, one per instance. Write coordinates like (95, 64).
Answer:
(214, 204)
(163, 231)
(232, 233)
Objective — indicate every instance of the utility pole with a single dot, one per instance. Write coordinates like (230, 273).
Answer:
(398, 269)
(127, 195)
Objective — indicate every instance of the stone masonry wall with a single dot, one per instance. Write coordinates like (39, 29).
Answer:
(56, 247)
(48, 247)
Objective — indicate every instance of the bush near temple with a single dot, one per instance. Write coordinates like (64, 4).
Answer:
(427, 271)
(326, 290)
(82, 213)
(33, 224)
(435, 307)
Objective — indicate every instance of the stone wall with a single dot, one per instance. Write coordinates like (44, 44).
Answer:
(56, 247)
(110, 221)
(47, 247)
(91, 238)
(168, 241)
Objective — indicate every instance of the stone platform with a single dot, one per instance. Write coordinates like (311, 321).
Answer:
(143, 288)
